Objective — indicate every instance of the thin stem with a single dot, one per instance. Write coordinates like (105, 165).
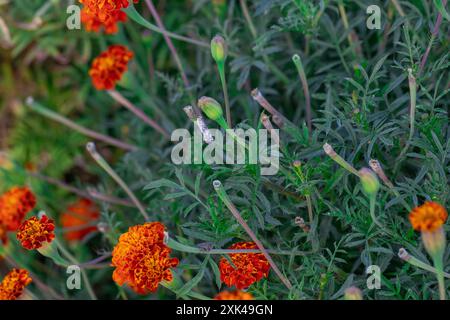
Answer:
(376, 167)
(254, 33)
(373, 201)
(226, 200)
(73, 260)
(346, 24)
(105, 166)
(262, 101)
(398, 7)
(175, 245)
(301, 72)
(248, 18)
(438, 264)
(134, 15)
(90, 194)
(434, 34)
(337, 158)
(169, 42)
(412, 114)
(72, 125)
(138, 112)
(223, 80)
(405, 256)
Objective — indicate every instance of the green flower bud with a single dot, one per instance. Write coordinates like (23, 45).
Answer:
(369, 181)
(211, 108)
(353, 293)
(218, 49)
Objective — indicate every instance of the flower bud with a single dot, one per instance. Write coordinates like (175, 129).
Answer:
(353, 293)
(218, 49)
(369, 181)
(211, 108)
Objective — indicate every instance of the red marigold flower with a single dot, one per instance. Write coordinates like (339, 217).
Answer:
(78, 216)
(34, 233)
(103, 13)
(13, 284)
(234, 295)
(14, 205)
(250, 267)
(107, 69)
(141, 258)
(93, 23)
(428, 217)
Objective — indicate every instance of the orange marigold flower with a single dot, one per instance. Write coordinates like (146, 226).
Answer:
(141, 258)
(14, 205)
(250, 267)
(13, 284)
(103, 13)
(428, 217)
(93, 23)
(78, 216)
(34, 233)
(107, 69)
(234, 295)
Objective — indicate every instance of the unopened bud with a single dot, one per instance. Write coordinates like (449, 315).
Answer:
(353, 293)
(218, 49)
(369, 181)
(211, 108)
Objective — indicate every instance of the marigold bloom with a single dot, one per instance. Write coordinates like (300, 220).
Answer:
(234, 295)
(34, 233)
(78, 216)
(250, 267)
(107, 69)
(14, 205)
(109, 24)
(428, 217)
(14, 284)
(142, 259)
(103, 13)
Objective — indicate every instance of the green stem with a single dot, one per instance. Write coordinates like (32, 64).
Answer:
(223, 80)
(301, 72)
(105, 166)
(72, 125)
(438, 264)
(135, 16)
(175, 245)
(338, 159)
(373, 200)
(405, 256)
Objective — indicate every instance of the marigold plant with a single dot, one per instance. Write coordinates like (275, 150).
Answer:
(13, 284)
(249, 267)
(107, 69)
(142, 259)
(34, 232)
